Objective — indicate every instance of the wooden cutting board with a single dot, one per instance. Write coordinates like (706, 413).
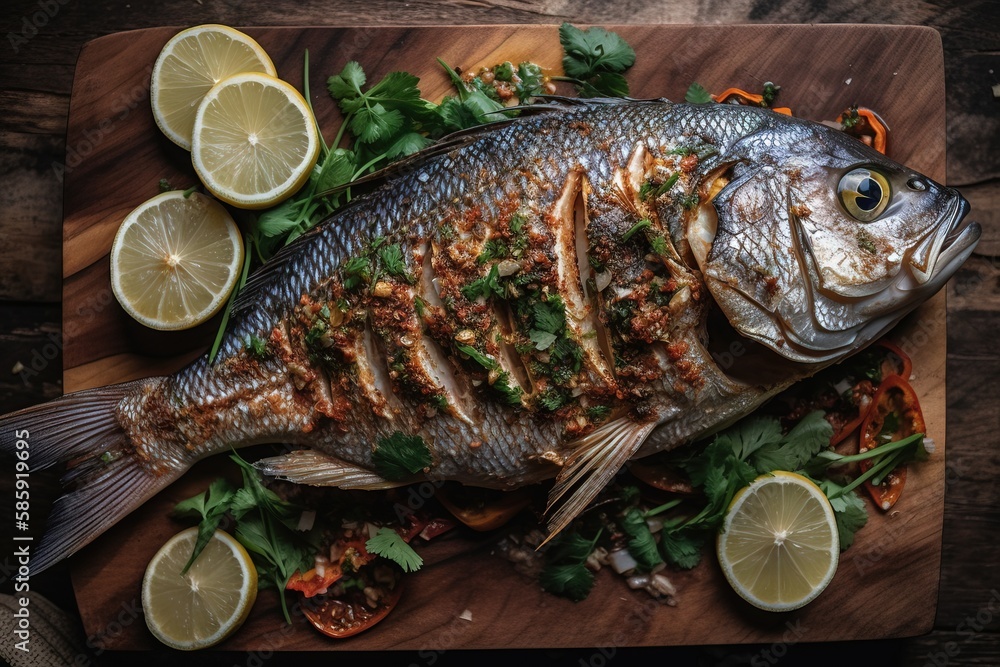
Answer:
(887, 582)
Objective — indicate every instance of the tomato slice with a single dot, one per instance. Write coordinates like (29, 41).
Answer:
(894, 414)
(312, 583)
(347, 615)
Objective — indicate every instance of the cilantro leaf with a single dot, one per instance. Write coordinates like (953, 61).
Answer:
(279, 219)
(696, 94)
(804, 441)
(592, 51)
(347, 84)
(641, 543)
(487, 362)
(399, 456)
(605, 84)
(375, 122)
(458, 115)
(388, 544)
(550, 315)
(484, 287)
(335, 170)
(473, 99)
(682, 547)
(564, 572)
(848, 509)
(393, 261)
(210, 506)
(407, 144)
(542, 339)
(751, 434)
(571, 580)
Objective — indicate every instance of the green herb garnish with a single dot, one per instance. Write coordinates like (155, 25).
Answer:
(388, 544)
(399, 456)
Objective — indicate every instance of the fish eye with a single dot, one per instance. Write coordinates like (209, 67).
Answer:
(864, 193)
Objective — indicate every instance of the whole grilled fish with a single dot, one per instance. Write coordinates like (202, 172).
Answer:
(544, 297)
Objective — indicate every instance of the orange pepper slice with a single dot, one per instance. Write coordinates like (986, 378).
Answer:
(748, 99)
(867, 125)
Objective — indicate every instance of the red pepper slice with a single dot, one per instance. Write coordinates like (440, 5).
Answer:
(905, 366)
(894, 397)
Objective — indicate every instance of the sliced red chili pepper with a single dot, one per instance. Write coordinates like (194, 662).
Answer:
(479, 513)
(894, 414)
(904, 367)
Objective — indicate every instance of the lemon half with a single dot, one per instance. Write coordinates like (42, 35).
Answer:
(779, 546)
(202, 607)
(189, 65)
(255, 140)
(175, 260)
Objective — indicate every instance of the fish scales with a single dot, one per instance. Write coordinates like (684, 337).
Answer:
(534, 299)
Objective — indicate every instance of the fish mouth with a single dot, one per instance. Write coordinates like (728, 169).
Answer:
(937, 254)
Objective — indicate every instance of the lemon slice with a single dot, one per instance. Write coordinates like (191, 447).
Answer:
(779, 545)
(189, 65)
(255, 140)
(175, 260)
(206, 604)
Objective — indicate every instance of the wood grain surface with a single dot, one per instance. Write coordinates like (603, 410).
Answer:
(895, 561)
(37, 62)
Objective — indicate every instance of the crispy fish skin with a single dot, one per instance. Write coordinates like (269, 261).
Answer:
(534, 299)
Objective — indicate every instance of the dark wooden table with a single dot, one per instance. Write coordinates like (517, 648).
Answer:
(43, 39)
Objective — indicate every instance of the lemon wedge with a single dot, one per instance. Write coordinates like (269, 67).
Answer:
(779, 545)
(189, 65)
(255, 140)
(175, 260)
(206, 604)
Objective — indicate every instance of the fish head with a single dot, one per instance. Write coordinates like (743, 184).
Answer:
(816, 244)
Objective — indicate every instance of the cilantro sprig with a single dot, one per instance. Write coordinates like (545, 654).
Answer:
(389, 544)
(565, 572)
(265, 525)
(595, 60)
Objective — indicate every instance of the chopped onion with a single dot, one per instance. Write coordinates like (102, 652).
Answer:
(602, 280)
(306, 520)
(622, 561)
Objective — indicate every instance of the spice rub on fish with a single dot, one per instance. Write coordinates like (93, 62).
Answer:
(539, 298)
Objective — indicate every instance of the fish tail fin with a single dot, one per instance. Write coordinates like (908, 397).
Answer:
(106, 477)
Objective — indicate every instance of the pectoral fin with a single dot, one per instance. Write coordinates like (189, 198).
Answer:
(596, 459)
(307, 466)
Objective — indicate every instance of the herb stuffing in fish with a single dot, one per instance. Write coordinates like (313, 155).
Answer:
(519, 315)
